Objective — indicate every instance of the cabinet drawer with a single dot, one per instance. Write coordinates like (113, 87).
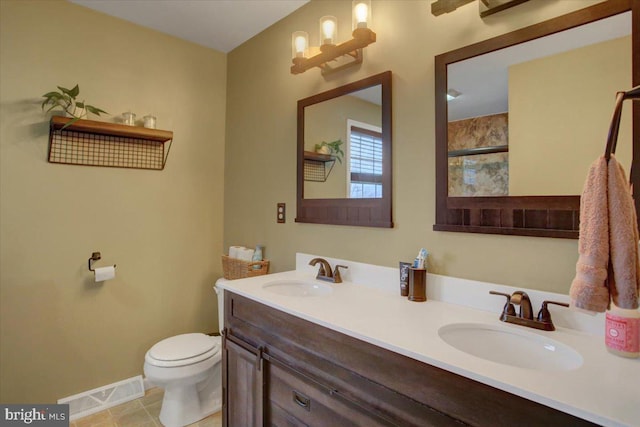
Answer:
(310, 403)
(278, 417)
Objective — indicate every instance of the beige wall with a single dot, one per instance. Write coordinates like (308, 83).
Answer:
(261, 140)
(327, 121)
(60, 332)
(576, 107)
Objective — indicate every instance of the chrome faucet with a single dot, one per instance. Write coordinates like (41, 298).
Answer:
(325, 273)
(525, 314)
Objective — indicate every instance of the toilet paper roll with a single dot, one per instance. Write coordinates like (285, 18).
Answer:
(245, 254)
(105, 273)
(234, 251)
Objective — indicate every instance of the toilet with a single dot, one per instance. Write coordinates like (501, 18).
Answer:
(188, 367)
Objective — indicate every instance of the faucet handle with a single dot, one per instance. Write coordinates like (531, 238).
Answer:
(545, 316)
(509, 309)
(336, 273)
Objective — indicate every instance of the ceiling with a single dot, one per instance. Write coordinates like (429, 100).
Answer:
(218, 24)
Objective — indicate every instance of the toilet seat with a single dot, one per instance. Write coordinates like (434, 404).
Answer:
(182, 350)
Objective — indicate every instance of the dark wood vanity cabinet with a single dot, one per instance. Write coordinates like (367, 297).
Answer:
(280, 370)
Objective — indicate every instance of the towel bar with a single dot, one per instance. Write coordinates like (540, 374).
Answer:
(612, 138)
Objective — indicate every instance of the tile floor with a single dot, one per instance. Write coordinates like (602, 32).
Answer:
(142, 412)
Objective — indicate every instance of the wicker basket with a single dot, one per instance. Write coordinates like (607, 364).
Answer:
(234, 268)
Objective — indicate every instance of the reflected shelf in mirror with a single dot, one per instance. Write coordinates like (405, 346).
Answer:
(317, 166)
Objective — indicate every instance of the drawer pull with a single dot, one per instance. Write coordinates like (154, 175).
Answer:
(302, 400)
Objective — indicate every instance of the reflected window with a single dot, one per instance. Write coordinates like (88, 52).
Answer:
(364, 160)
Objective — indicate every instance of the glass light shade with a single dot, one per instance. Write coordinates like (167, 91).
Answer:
(300, 44)
(328, 30)
(361, 13)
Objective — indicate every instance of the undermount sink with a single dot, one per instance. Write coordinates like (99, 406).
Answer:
(510, 346)
(298, 288)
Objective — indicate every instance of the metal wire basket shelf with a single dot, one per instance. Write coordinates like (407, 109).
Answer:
(317, 167)
(92, 143)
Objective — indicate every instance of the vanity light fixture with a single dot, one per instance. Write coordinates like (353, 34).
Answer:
(346, 54)
(452, 94)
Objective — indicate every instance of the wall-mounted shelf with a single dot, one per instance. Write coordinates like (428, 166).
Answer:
(478, 150)
(92, 143)
(317, 167)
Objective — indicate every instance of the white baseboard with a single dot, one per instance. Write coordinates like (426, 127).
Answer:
(101, 398)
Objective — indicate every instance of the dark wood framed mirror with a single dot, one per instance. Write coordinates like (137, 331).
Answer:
(353, 187)
(545, 214)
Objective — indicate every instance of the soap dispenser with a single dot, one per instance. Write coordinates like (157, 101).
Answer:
(257, 256)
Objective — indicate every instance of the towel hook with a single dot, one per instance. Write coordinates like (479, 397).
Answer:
(612, 138)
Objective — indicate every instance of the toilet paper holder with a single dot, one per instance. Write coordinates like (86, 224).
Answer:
(95, 256)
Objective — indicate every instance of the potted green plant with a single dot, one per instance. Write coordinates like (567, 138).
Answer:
(65, 100)
(332, 148)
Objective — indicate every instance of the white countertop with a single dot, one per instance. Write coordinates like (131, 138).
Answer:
(604, 390)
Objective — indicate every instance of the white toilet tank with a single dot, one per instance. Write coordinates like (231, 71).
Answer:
(220, 294)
